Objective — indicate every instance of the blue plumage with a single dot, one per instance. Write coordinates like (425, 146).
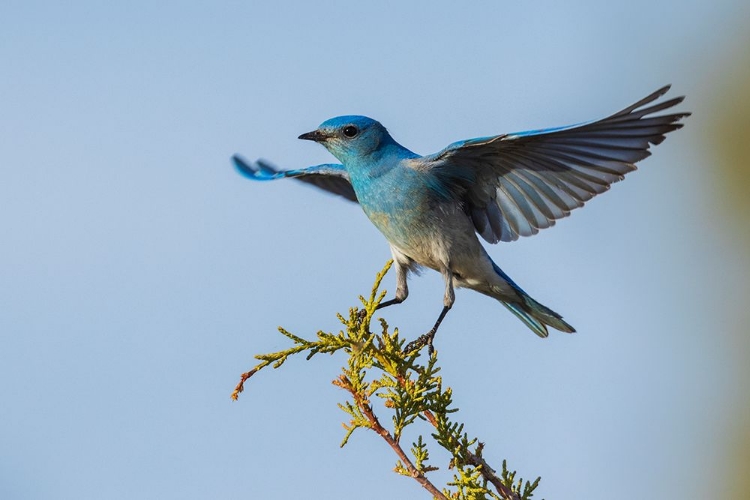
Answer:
(431, 208)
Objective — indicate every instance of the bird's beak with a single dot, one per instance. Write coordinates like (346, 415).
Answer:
(315, 135)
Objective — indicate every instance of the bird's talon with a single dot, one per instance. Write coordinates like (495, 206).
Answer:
(414, 345)
(362, 314)
(420, 342)
(430, 338)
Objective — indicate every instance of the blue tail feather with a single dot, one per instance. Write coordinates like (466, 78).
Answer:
(530, 321)
(534, 315)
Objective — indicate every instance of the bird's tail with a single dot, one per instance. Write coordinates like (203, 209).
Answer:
(535, 315)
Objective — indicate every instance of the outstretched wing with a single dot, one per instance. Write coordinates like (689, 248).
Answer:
(329, 177)
(523, 182)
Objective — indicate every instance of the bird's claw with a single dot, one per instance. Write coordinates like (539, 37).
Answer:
(420, 342)
(361, 314)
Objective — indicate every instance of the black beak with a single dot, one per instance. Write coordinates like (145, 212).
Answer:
(315, 135)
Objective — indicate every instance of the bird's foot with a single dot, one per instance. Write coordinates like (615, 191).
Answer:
(421, 341)
(361, 314)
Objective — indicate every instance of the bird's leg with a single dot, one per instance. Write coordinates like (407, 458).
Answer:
(427, 338)
(396, 300)
(402, 290)
(448, 299)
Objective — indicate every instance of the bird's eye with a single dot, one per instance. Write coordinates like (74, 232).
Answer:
(351, 131)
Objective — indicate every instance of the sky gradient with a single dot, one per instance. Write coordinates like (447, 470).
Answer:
(140, 273)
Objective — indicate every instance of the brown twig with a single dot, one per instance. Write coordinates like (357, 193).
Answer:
(241, 384)
(478, 461)
(366, 409)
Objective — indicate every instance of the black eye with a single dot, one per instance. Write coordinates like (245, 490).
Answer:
(351, 131)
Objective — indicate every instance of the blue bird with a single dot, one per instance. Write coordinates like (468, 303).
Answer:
(431, 208)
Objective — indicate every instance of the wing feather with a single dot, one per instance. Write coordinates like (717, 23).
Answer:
(525, 181)
(328, 177)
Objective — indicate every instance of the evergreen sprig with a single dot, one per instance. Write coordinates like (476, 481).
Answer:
(411, 391)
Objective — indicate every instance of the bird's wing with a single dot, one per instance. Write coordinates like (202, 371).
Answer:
(329, 177)
(522, 182)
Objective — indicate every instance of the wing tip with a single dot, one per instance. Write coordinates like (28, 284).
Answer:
(258, 171)
(242, 166)
(663, 90)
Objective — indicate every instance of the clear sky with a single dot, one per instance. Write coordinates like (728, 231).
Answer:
(139, 273)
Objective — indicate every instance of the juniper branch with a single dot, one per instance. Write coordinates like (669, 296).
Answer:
(374, 424)
(412, 391)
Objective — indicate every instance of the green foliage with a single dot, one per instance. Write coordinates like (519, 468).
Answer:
(412, 392)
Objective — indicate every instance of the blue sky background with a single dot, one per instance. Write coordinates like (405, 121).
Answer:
(140, 273)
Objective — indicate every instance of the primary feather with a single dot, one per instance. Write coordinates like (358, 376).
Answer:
(525, 181)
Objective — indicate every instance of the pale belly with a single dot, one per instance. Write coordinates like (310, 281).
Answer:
(441, 238)
(424, 232)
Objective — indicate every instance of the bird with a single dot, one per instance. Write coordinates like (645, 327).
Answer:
(433, 209)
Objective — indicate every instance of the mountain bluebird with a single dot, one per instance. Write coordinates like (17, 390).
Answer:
(431, 208)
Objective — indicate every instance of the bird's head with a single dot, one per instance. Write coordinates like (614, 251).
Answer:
(349, 138)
